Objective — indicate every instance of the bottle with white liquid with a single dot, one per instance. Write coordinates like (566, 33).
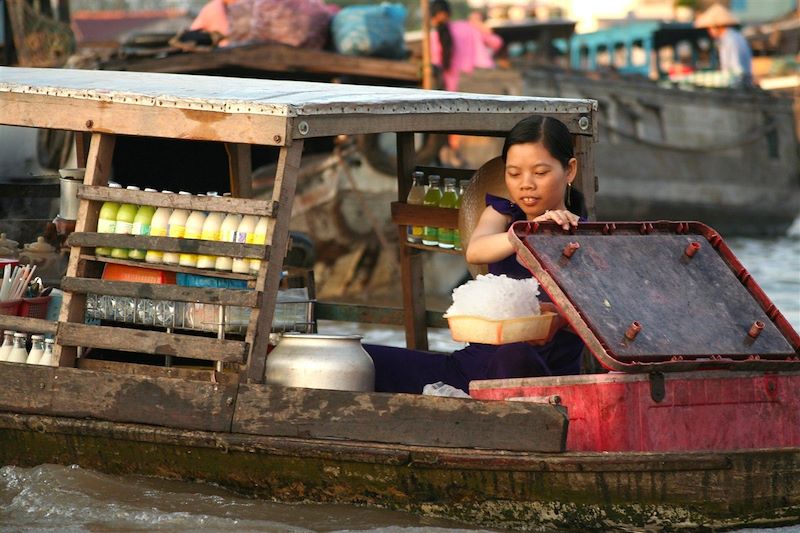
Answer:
(19, 353)
(48, 359)
(37, 349)
(244, 234)
(259, 237)
(194, 230)
(8, 344)
(210, 233)
(227, 233)
(177, 229)
(159, 225)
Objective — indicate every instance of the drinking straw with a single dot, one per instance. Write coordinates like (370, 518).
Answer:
(4, 288)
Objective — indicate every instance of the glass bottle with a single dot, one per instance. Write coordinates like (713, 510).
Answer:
(37, 349)
(19, 353)
(430, 234)
(8, 344)
(462, 187)
(48, 359)
(416, 196)
(448, 201)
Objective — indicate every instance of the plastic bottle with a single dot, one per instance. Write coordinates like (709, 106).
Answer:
(19, 354)
(416, 196)
(159, 225)
(107, 220)
(176, 228)
(141, 226)
(244, 234)
(8, 344)
(227, 233)
(462, 187)
(259, 237)
(194, 230)
(37, 349)
(48, 358)
(449, 200)
(210, 232)
(125, 215)
(430, 234)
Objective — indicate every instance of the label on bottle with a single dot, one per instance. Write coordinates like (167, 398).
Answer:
(140, 228)
(240, 237)
(176, 230)
(123, 228)
(105, 225)
(227, 235)
(156, 231)
(209, 235)
(445, 237)
(192, 234)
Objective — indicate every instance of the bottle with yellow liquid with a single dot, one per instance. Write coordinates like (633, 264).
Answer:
(449, 200)
(107, 220)
(416, 196)
(259, 237)
(430, 234)
(244, 234)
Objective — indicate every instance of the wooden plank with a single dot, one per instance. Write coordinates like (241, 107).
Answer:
(82, 141)
(421, 420)
(150, 342)
(411, 278)
(208, 375)
(172, 268)
(28, 325)
(420, 215)
(96, 116)
(269, 276)
(435, 249)
(238, 297)
(98, 170)
(260, 208)
(275, 58)
(169, 244)
(175, 403)
(241, 169)
(368, 314)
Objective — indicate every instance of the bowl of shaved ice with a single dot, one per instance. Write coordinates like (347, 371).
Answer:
(498, 310)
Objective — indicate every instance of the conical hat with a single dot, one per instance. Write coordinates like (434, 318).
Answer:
(715, 16)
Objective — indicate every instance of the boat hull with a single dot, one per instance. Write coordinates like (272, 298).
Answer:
(519, 490)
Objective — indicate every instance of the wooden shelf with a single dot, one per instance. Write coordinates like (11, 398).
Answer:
(170, 268)
(419, 215)
(433, 248)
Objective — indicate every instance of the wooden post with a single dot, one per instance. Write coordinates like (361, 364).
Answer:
(82, 140)
(269, 276)
(586, 180)
(410, 258)
(427, 69)
(73, 306)
(240, 167)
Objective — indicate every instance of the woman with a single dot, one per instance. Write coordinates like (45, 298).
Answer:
(539, 169)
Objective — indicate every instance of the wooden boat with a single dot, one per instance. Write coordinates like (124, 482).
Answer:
(486, 462)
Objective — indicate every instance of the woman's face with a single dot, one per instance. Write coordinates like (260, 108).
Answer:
(535, 179)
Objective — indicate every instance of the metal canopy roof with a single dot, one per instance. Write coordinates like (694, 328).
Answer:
(422, 110)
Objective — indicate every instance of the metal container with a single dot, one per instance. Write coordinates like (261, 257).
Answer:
(336, 362)
(70, 179)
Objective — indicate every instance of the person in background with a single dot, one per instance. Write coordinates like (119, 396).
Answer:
(214, 19)
(460, 46)
(539, 169)
(735, 56)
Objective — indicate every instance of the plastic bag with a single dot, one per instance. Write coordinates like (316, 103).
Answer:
(376, 30)
(442, 389)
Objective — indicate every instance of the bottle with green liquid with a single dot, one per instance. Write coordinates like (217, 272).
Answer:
(416, 196)
(462, 187)
(430, 235)
(141, 226)
(125, 215)
(107, 220)
(449, 200)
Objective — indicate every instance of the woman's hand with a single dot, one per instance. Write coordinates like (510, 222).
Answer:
(562, 217)
(555, 326)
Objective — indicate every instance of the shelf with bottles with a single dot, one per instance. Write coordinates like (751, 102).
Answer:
(14, 348)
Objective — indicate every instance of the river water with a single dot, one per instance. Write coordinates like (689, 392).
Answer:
(61, 499)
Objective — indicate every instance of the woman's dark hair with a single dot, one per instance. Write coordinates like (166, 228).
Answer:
(557, 139)
(445, 36)
(553, 134)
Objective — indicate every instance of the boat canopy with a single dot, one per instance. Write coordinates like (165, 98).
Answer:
(256, 111)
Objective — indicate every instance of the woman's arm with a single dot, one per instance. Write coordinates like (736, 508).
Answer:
(489, 241)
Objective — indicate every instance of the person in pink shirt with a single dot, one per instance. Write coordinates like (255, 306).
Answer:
(213, 18)
(460, 46)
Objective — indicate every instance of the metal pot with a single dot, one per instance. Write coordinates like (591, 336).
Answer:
(336, 362)
(68, 204)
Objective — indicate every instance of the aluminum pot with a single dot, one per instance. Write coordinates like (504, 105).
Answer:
(69, 181)
(336, 362)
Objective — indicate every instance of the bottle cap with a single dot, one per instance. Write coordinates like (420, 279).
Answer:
(19, 334)
(9, 332)
(132, 188)
(37, 337)
(114, 185)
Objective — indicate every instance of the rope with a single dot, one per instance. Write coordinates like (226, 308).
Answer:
(741, 141)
